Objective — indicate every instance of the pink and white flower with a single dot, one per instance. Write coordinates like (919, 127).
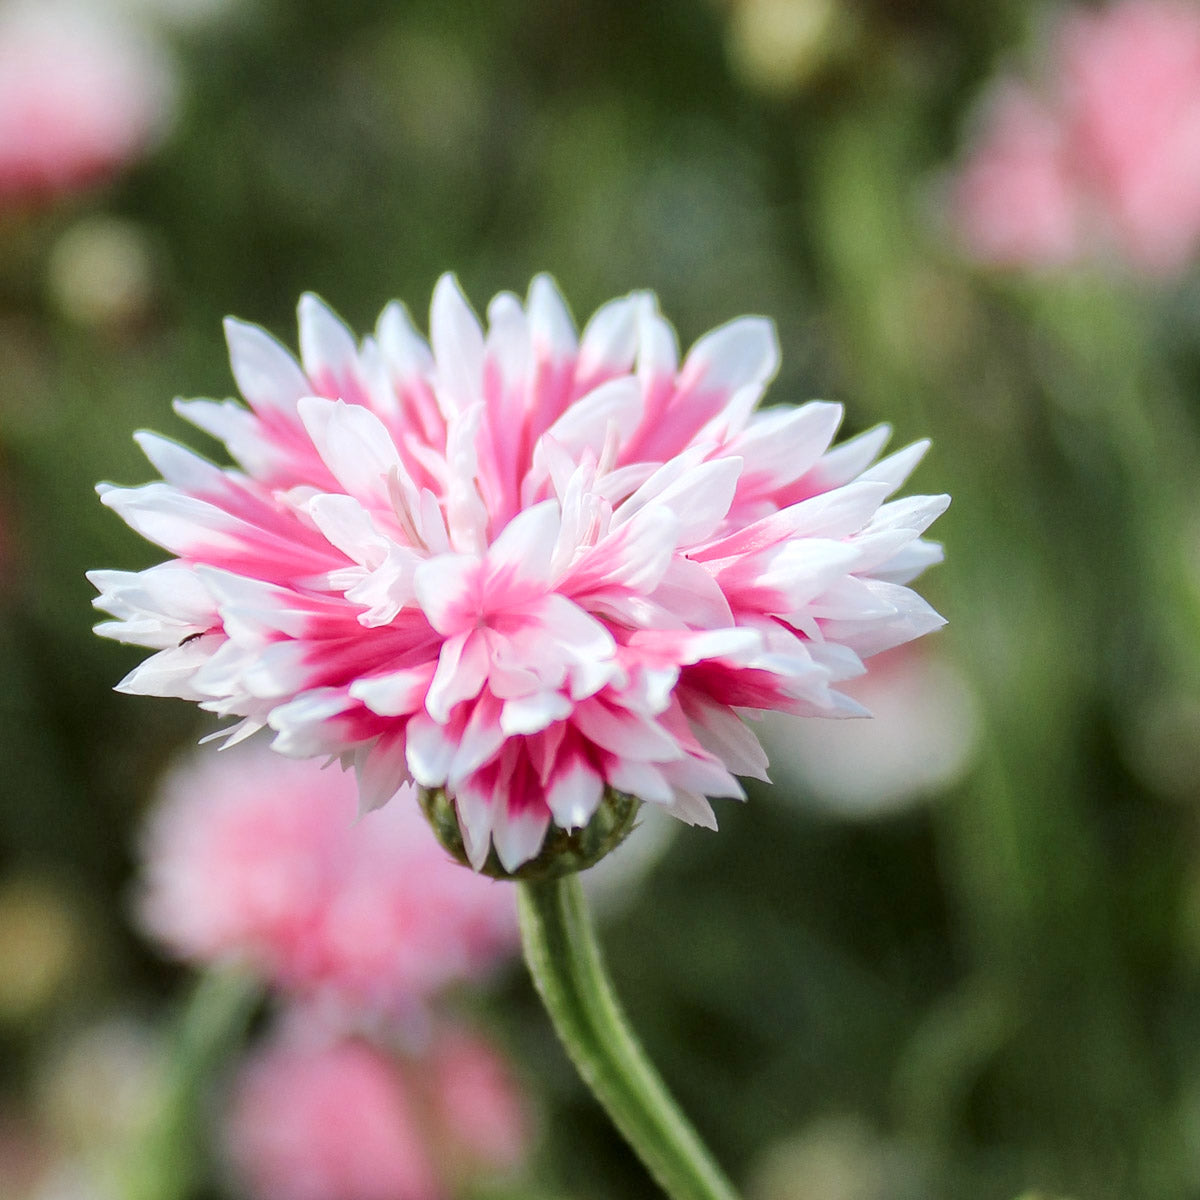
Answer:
(519, 564)
(253, 857)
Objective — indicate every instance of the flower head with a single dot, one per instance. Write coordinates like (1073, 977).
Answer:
(254, 857)
(525, 568)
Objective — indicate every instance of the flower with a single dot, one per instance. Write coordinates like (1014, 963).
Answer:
(56, 58)
(1104, 158)
(312, 1118)
(480, 1115)
(1015, 202)
(255, 857)
(526, 569)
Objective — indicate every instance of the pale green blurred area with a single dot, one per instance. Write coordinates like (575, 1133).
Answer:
(989, 988)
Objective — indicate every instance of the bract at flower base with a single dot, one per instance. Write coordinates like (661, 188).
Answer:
(564, 851)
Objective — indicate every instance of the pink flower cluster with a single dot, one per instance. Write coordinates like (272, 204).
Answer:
(519, 564)
(254, 857)
(318, 1119)
(83, 92)
(1104, 159)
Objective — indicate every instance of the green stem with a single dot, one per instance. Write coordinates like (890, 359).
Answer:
(165, 1162)
(564, 960)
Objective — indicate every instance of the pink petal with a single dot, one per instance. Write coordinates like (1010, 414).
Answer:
(329, 352)
(461, 672)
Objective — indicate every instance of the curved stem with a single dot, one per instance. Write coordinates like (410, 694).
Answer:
(564, 960)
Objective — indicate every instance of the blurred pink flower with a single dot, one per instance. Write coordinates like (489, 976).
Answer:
(1015, 202)
(1131, 94)
(83, 92)
(253, 856)
(521, 566)
(313, 1119)
(479, 1112)
(1106, 159)
(328, 1123)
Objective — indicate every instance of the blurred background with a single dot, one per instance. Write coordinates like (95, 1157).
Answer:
(951, 953)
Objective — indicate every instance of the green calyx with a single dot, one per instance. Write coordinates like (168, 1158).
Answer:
(563, 852)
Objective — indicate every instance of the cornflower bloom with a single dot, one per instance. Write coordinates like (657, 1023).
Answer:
(530, 570)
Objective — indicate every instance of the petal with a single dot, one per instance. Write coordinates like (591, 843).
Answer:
(348, 526)
(699, 496)
(382, 771)
(403, 347)
(585, 424)
(518, 832)
(781, 445)
(534, 712)
(507, 343)
(354, 444)
(170, 672)
(625, 734)
(475, 804)
(170, 592)
(744, 351)
(398, 693)
(658, 349)
(449, 590)
(912, 617)
(610, 340)
(909, 563)
(847, 461)
(643, 780)
(521, 555)
(307, 726)
(570, 629)
(181, 467)
(458, 343)
(328, 351)
(551, 330)
(724, 734)
(172, 519)
(692, 809)
(461, 672)
(896, 468)
(467, 515)
(636, 555)
(430, 750)
(573, 792)
(480, 740)
(267, 375)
